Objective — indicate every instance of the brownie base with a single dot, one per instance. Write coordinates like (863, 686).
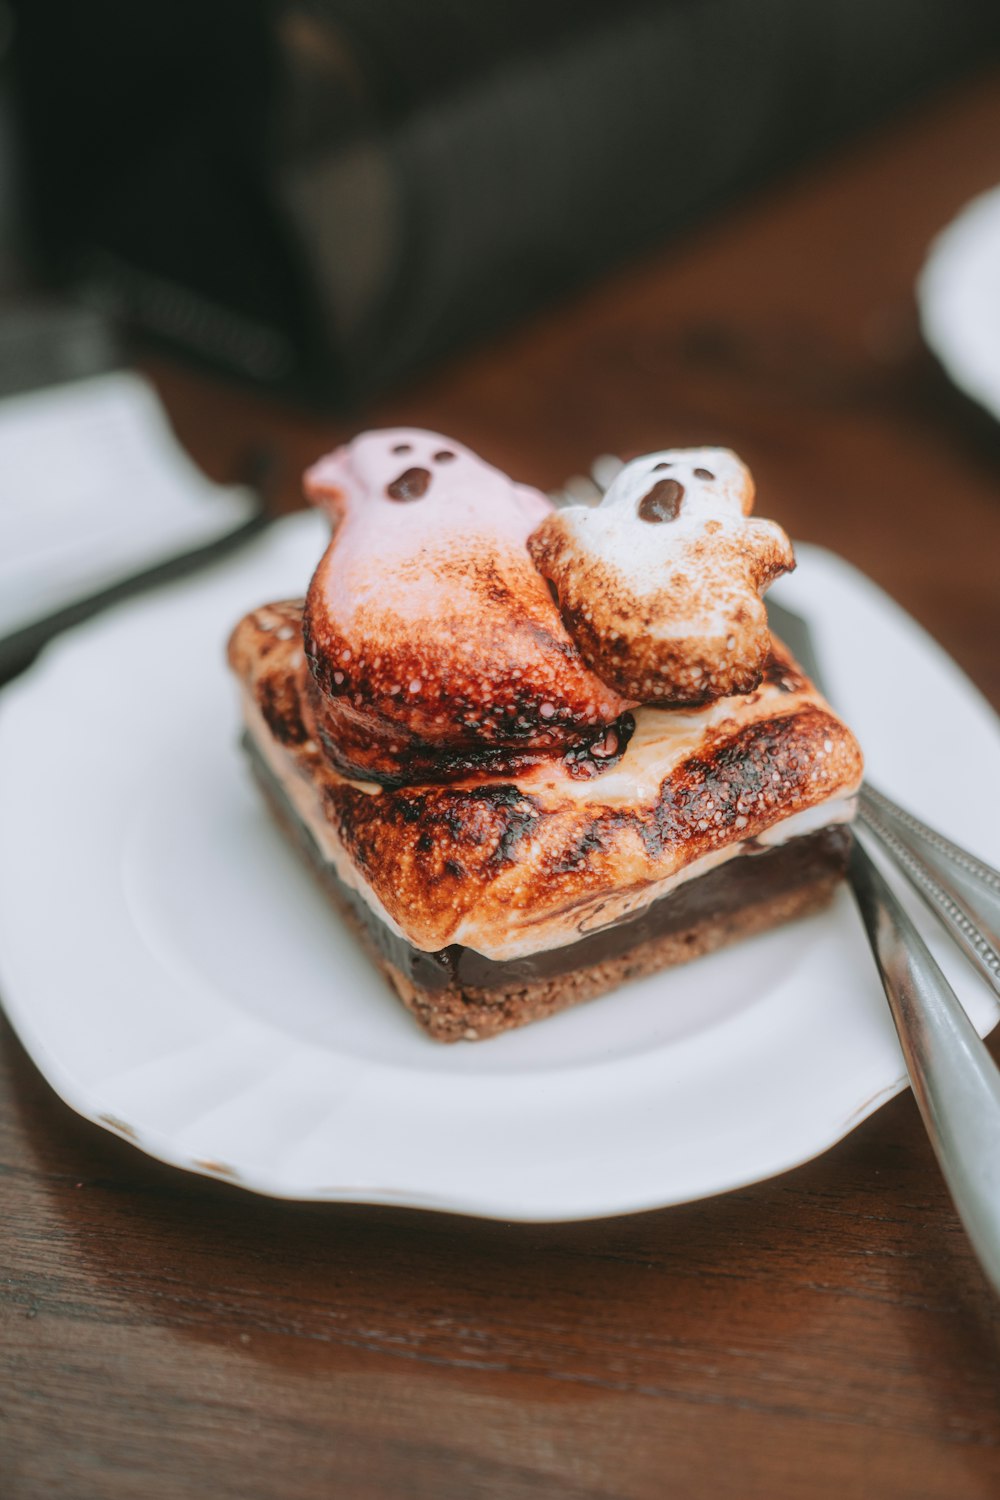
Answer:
(457, 994)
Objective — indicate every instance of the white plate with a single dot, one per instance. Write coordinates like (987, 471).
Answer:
(959, 296)
(178, 978)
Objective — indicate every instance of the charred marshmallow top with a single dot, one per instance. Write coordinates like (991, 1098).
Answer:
(660, 584)
(514, 865)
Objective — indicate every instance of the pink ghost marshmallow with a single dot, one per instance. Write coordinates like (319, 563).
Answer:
(431, 636)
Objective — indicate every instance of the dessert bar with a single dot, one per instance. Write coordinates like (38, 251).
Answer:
(529, 753)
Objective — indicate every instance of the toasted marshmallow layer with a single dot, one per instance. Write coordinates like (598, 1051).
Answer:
(517, 865)
(659, 585)
(429, 632)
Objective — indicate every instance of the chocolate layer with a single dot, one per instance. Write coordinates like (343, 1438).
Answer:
(755, 878)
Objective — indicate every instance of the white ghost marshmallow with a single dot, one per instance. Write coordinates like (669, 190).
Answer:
(659, 585)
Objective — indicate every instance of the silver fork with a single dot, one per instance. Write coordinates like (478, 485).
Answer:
(962, 891)
(955, 1081)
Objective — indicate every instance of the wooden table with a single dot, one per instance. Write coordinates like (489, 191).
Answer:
(823, 1334)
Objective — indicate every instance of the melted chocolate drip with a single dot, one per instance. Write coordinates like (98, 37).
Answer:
(663, 503)
(412, 484)
(605, 748)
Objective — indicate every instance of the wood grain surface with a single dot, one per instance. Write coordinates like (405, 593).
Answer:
(824, 1334)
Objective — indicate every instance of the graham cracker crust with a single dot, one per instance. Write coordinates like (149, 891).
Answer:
(474, 1013)
(795, 880)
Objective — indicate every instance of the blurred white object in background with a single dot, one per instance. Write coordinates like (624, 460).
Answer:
(94, 488)
(958, 292)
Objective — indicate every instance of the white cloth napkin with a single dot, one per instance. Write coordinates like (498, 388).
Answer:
(93, 489)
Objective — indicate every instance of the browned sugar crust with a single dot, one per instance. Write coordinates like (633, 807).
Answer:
(614, 627)
(502, 856)
(448, 848)
(681, 673)
(457, 994)
(267, 651)
(493, 672)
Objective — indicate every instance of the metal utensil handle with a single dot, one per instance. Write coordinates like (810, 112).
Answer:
(892, 813)
(966, 920)
(955, 1081)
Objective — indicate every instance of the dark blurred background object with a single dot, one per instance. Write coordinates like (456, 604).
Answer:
(322, 195)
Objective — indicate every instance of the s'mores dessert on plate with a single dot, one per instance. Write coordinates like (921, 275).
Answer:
(532, 753)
